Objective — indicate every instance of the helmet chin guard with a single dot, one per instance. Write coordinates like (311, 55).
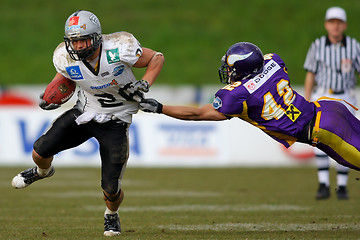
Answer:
(81, 26)
(243, 60)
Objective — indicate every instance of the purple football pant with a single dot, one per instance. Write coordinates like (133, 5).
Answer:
(337, 133)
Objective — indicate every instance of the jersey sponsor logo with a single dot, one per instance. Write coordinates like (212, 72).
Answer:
(118, 70)
(250, 85)
(112, 55)
(217, 103)
(104, 74)
(292, 112)
(74, 72)
(112, 83)
(269, 69)
(236, 57)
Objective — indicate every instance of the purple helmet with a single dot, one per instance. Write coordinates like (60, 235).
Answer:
(242, 60)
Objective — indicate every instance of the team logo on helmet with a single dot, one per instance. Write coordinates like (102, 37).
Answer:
(236, 57)
(74, 21)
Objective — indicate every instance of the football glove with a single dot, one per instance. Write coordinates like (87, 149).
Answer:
(141, 85)
(44, 105)
(151, 105)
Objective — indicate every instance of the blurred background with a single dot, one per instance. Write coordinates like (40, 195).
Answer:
(193, 35)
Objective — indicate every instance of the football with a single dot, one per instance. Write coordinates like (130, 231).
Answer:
(59, 90)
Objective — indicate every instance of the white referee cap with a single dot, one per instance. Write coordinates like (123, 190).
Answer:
(336, 13)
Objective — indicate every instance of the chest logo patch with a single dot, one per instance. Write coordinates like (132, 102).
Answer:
(118, 70)
(292, 112)
(74, 72)
(113, 55)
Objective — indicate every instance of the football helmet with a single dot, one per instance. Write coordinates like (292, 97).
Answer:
(242, 60)
(82, 25)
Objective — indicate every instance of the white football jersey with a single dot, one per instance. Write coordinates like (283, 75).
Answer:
(99, 92)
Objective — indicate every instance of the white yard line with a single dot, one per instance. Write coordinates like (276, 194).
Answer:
(201, 207)
(269, 227)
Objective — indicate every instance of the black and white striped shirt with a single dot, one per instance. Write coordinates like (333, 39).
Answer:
(334, 65)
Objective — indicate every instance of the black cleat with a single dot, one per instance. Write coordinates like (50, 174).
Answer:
(342, 193)
(27, 177)
(112, 225)
(323, 192)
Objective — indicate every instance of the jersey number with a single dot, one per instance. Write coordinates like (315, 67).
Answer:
(271, 108)
(106, 100)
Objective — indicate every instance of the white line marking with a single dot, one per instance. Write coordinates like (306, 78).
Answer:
(200, 207)
(271, 227)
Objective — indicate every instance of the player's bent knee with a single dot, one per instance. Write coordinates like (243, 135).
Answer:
(112, 197)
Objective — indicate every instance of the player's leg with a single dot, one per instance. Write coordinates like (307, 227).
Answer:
(342, 179)
(323, 167)
(114, 151)
(63, 134)
(337, 133)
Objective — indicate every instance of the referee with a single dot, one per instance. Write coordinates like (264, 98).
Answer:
(331, 63)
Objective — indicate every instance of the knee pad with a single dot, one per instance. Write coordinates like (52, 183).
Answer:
(112, 199)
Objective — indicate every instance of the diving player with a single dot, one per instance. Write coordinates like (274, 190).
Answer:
(259, 92)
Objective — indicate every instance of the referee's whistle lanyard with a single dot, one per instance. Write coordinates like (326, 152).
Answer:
(316, 126)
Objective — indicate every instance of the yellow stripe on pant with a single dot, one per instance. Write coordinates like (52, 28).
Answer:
(344, 149)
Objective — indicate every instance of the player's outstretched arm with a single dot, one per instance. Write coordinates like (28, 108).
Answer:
(204, 113)
(153, 61)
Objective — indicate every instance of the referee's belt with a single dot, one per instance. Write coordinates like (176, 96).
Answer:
(331, 91)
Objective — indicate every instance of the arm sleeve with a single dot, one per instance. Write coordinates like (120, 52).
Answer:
(60, 60)
(310, 61)
(357, 58)
(130, 50)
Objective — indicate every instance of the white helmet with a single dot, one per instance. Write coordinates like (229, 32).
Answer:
(82, 25)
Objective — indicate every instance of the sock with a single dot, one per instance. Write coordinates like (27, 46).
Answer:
(323, 165)
(108, 211)
(342, 175)
(43, 172)
(323, 176)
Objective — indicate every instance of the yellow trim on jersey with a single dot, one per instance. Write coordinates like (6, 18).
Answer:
(317, 121)
(244, 116)
(337, 99)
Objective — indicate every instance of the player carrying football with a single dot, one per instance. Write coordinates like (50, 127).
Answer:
(259, 92)
(101, 65)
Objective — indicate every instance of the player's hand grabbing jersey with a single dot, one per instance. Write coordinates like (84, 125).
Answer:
(99, 89)
(268, 102)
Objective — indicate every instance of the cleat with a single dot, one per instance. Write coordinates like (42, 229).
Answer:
(27, 177)
(323, 192)
(112, 225)
(342, 193)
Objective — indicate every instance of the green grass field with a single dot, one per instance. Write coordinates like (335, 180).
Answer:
(193, 35)
(160, 203)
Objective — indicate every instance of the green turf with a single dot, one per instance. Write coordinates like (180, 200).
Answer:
(193, 35)
(212, 203)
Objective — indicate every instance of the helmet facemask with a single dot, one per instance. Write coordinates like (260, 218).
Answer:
(227, 73)
(82, 54)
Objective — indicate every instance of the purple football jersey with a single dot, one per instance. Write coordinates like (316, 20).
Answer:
(268, 102)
